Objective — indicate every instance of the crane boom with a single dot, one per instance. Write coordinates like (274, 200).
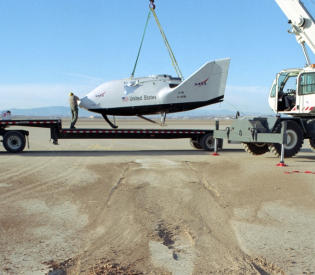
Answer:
(302, 22)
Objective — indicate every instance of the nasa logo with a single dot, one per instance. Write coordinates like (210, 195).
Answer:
(202, 83)
(101, 94)
(125, 98)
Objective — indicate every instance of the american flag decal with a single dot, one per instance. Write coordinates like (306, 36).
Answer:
(125, 98)
(202, 83)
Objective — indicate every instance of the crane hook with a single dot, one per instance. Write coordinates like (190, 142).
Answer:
(152, 5)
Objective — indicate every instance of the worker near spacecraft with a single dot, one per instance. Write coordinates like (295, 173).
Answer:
(73, 100)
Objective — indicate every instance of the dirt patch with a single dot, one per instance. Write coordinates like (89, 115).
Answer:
(165, 235)
(111, 267)
(265, 268)
(102, 267)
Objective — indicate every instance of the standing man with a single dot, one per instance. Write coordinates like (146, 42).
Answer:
(73, 100)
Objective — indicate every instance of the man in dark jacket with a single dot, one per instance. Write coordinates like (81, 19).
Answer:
(73, 100)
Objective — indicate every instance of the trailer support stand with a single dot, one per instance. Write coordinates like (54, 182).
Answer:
(284, 141)
(215, 153)
(27, 142)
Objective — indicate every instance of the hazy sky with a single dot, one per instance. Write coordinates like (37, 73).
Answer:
(49, 47)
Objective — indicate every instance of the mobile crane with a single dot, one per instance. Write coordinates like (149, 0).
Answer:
(293, 90)
(292, 97)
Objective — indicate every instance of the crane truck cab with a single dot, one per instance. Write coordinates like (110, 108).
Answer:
(293, 92)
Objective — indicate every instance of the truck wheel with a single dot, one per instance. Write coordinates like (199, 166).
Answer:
(14, 141)
(256, 148)
(207, 142)
(312, 143)
(294, 140)
(195, 143)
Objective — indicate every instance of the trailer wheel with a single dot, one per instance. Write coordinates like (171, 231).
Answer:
(14, 141)
(195, 143)
(256, 148)
(207, 142)
(294, 140)
(312, 143)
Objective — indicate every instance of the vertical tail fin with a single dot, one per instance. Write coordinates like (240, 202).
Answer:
(207, 83)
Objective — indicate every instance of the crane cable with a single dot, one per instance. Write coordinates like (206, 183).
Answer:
(169, 49)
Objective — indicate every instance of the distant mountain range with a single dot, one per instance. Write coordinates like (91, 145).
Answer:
(61, 111)
(53, 111)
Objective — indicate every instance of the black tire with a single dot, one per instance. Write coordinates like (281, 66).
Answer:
(312, 143)
(207, 142)
(195, 143)
(14, 141)
(256, 148)
(295, 140)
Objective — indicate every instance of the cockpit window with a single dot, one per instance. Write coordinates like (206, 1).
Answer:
(173, 85)
(281, 81)
(273, 90)
(290, 85)
(307, 84)
(287, 83)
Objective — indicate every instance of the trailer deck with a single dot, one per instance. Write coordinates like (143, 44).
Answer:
(44, 123)
(128, 133)
(14, 140)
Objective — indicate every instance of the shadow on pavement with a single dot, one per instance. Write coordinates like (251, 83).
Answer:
(99, 153)
(304, 158)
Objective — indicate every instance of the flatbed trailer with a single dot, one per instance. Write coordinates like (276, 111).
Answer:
(14, 140)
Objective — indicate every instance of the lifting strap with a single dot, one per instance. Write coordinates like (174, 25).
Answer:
(169, 49)
(145, 29)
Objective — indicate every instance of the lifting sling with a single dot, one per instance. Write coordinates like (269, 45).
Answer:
(169, 49)
(145, 29)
